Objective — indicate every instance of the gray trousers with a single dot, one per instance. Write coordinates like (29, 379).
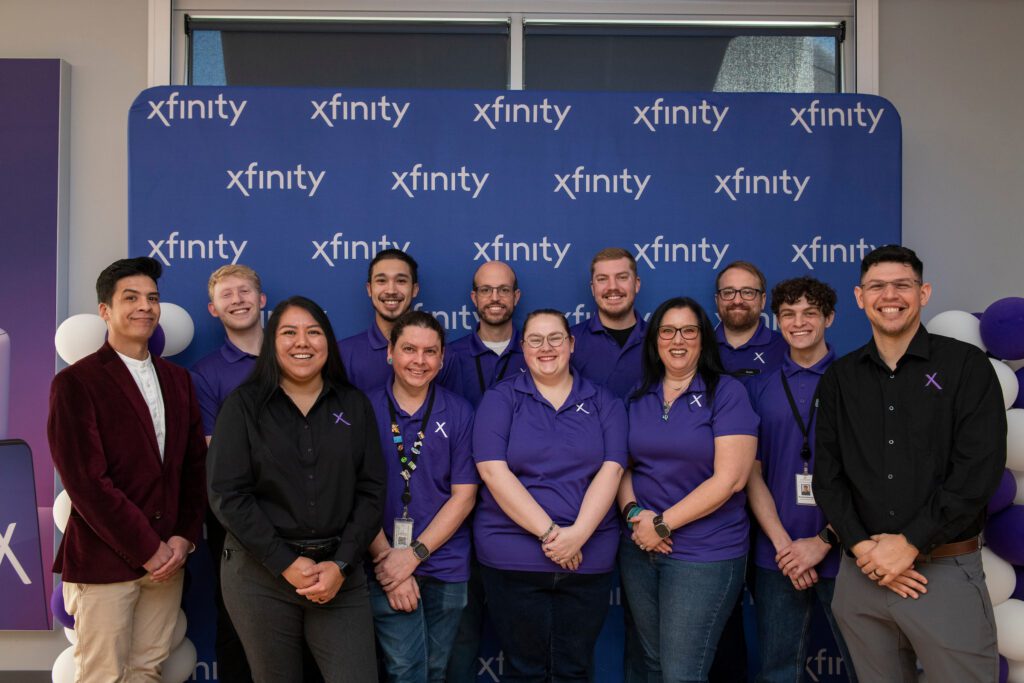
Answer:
(951, 629)
(273, 621)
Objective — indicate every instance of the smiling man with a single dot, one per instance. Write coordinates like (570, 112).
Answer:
(748, 347)
(126, 436)
(391, 283)
(911, 444)
(236, 299)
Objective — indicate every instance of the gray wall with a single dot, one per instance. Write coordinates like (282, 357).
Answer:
(953, 70)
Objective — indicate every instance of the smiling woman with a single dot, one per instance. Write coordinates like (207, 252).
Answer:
(295, 477)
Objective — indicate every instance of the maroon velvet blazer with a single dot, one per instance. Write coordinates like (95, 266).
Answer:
(124, 499)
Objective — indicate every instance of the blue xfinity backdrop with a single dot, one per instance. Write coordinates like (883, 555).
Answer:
(307, 185)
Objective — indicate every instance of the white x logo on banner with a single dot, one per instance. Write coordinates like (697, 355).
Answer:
(6, 551)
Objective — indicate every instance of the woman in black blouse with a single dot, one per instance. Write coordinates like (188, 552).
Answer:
(297, 479)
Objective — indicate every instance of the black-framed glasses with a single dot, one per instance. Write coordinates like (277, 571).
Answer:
(555, 339)
(503, 291)
(688, 332)
(879, 286)
(746, 293)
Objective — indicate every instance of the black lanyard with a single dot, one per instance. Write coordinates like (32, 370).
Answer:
(805, 452)
(408, 462)
(480, 371)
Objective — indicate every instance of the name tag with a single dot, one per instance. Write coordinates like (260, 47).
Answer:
(804, 492)
(402, 537)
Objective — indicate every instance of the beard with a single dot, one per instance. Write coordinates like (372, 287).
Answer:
(490, 319)
(739, 318)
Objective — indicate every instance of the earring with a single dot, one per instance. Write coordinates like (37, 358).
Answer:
(390, 361)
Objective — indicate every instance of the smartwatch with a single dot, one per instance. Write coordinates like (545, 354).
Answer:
(829, 537)
(660, 527)
(345, 567)
(420, 551)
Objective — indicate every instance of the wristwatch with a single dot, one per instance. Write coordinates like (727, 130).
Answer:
(828, 536)
(660, 527)
(420, 551)
(345, 567)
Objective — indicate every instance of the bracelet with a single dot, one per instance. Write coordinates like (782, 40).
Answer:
(627, 508)
(633, 512)
(547, 533)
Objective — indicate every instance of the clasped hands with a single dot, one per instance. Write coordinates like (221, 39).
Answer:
(888, 560)
(563, 546)
(168, 558)
(644, 535)
(394, 568)
(318, 582)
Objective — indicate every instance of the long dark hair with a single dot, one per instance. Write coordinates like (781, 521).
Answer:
(266, 375)
(709, 364)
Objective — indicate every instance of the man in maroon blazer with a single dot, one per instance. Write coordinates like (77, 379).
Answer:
(126, 436)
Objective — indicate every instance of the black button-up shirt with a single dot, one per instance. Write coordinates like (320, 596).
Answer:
(918, 450)
(277, 474)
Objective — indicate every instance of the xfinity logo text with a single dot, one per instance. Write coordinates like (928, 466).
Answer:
(499, 111)
(500, 250)
(418, 180)
(659, 251)
(579, 182)
(740, 183)
(176, 248)
(251, 179)
(821, 664)
(813, 116)
(830, 253)
(660, 114)
(175, 109)
(6, 551)
(383, 109)
(337, 249)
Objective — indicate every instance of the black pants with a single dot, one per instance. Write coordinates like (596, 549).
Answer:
(273, 622)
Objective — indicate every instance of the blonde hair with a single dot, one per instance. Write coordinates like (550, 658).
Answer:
(233, 270)
(612, 254)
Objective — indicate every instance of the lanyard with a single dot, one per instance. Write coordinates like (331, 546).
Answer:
(805, 430)
(408, 462)
(480, 370)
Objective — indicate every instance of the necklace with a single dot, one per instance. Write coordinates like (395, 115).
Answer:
(666, 405)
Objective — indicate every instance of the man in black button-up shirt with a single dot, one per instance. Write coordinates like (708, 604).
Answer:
(911, 444)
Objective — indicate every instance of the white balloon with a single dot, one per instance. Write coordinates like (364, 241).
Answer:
(1016, 671)
(64, 666)
(1007, 381)
(958, 325)
(999, 576)
(78, 336)
(179, 629)
(1018, 498)
(179, 666)
(1015, 365)
(1009, 629)
(70, 634)
(61, 510)
(177, 326)
(1015, 439)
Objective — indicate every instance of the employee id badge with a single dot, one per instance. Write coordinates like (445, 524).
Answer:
(804, 492)
(403, 532)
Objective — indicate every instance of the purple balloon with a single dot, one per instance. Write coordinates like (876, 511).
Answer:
(1018, 591)
(1002, 328)
(1005, 534)
(57, 607)
(1004, 495)
(1019, 403)
(1004, 669)
(157, 341)
(977, 314)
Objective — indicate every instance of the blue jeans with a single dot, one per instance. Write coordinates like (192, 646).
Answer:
(783, 620)
(547, 622)
(416, 644)
(680, 609)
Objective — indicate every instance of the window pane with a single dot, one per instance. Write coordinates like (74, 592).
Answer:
(380, 55)
(639, 58)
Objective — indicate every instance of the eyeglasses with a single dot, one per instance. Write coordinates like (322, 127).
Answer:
(555, 339)
(747, 293)
(486, 290)
(689, 332)
(879, 286)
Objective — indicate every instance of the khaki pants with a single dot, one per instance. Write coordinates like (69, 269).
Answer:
(124, 629)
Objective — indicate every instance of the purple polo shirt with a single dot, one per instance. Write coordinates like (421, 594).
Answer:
(670, 458)
(475, 368)
(555, 455)
(444, 460)
(762, 354)
(778, 449)
(599, 358)
(217, 375)
(365, 356)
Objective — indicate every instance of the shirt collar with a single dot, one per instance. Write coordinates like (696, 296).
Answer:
(697, 385)
(791, 368)
(594, 326)
(231, 353)
(479, 348)
(418, 415)
(762, 336)
(920, 346)
(376, 337)
(581, 388)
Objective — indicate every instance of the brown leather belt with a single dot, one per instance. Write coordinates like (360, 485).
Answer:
(952, 549)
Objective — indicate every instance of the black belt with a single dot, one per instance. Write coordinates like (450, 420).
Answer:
(316, 549)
